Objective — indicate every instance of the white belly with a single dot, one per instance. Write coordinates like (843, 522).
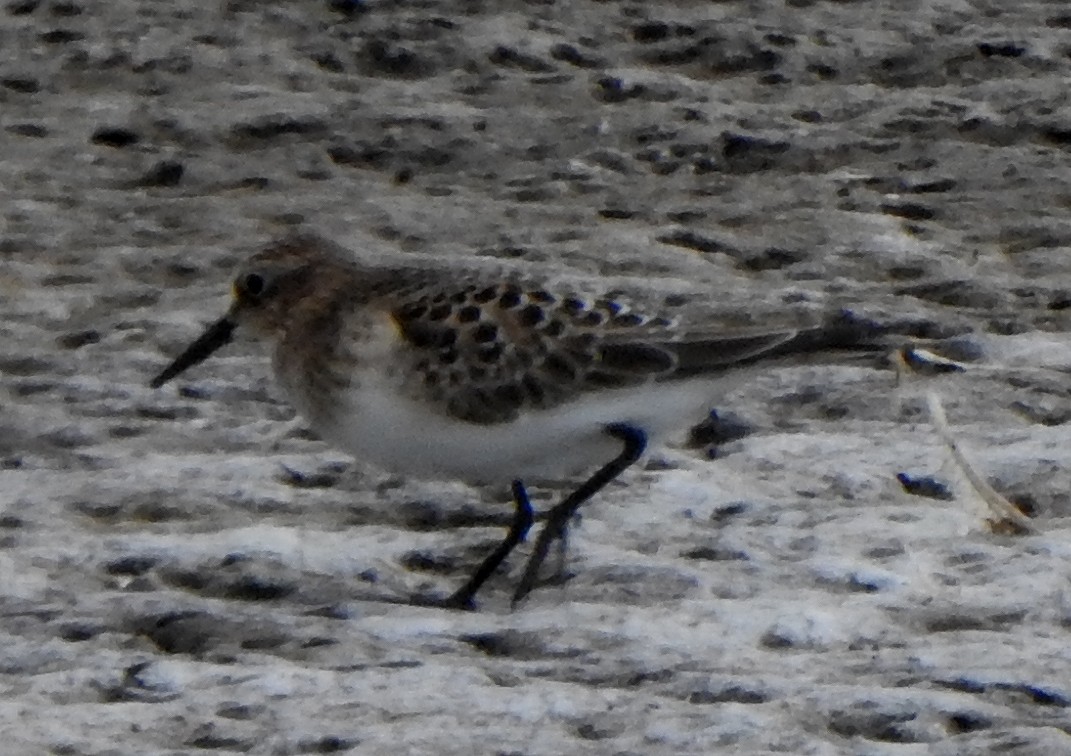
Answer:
(376, 425)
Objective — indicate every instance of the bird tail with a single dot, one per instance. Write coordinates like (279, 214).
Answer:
(846, 334)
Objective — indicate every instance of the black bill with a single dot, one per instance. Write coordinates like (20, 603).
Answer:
(215, 336)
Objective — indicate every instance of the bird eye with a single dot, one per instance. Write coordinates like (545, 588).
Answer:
(251, 285)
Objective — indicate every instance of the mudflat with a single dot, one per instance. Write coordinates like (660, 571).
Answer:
(190, 570)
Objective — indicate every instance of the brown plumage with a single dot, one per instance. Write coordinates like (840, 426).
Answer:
(484, 372)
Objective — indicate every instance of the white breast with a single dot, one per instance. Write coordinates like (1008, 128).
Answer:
(377, 422)
(379, 425)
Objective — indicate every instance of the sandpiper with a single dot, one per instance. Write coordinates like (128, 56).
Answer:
(484, 372)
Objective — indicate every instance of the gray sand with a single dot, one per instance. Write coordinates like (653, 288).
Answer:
(189, 570)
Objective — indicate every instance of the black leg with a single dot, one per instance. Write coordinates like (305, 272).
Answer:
(634, 441)
(464, 597)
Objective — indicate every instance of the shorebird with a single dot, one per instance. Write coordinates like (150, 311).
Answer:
(484, 372)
